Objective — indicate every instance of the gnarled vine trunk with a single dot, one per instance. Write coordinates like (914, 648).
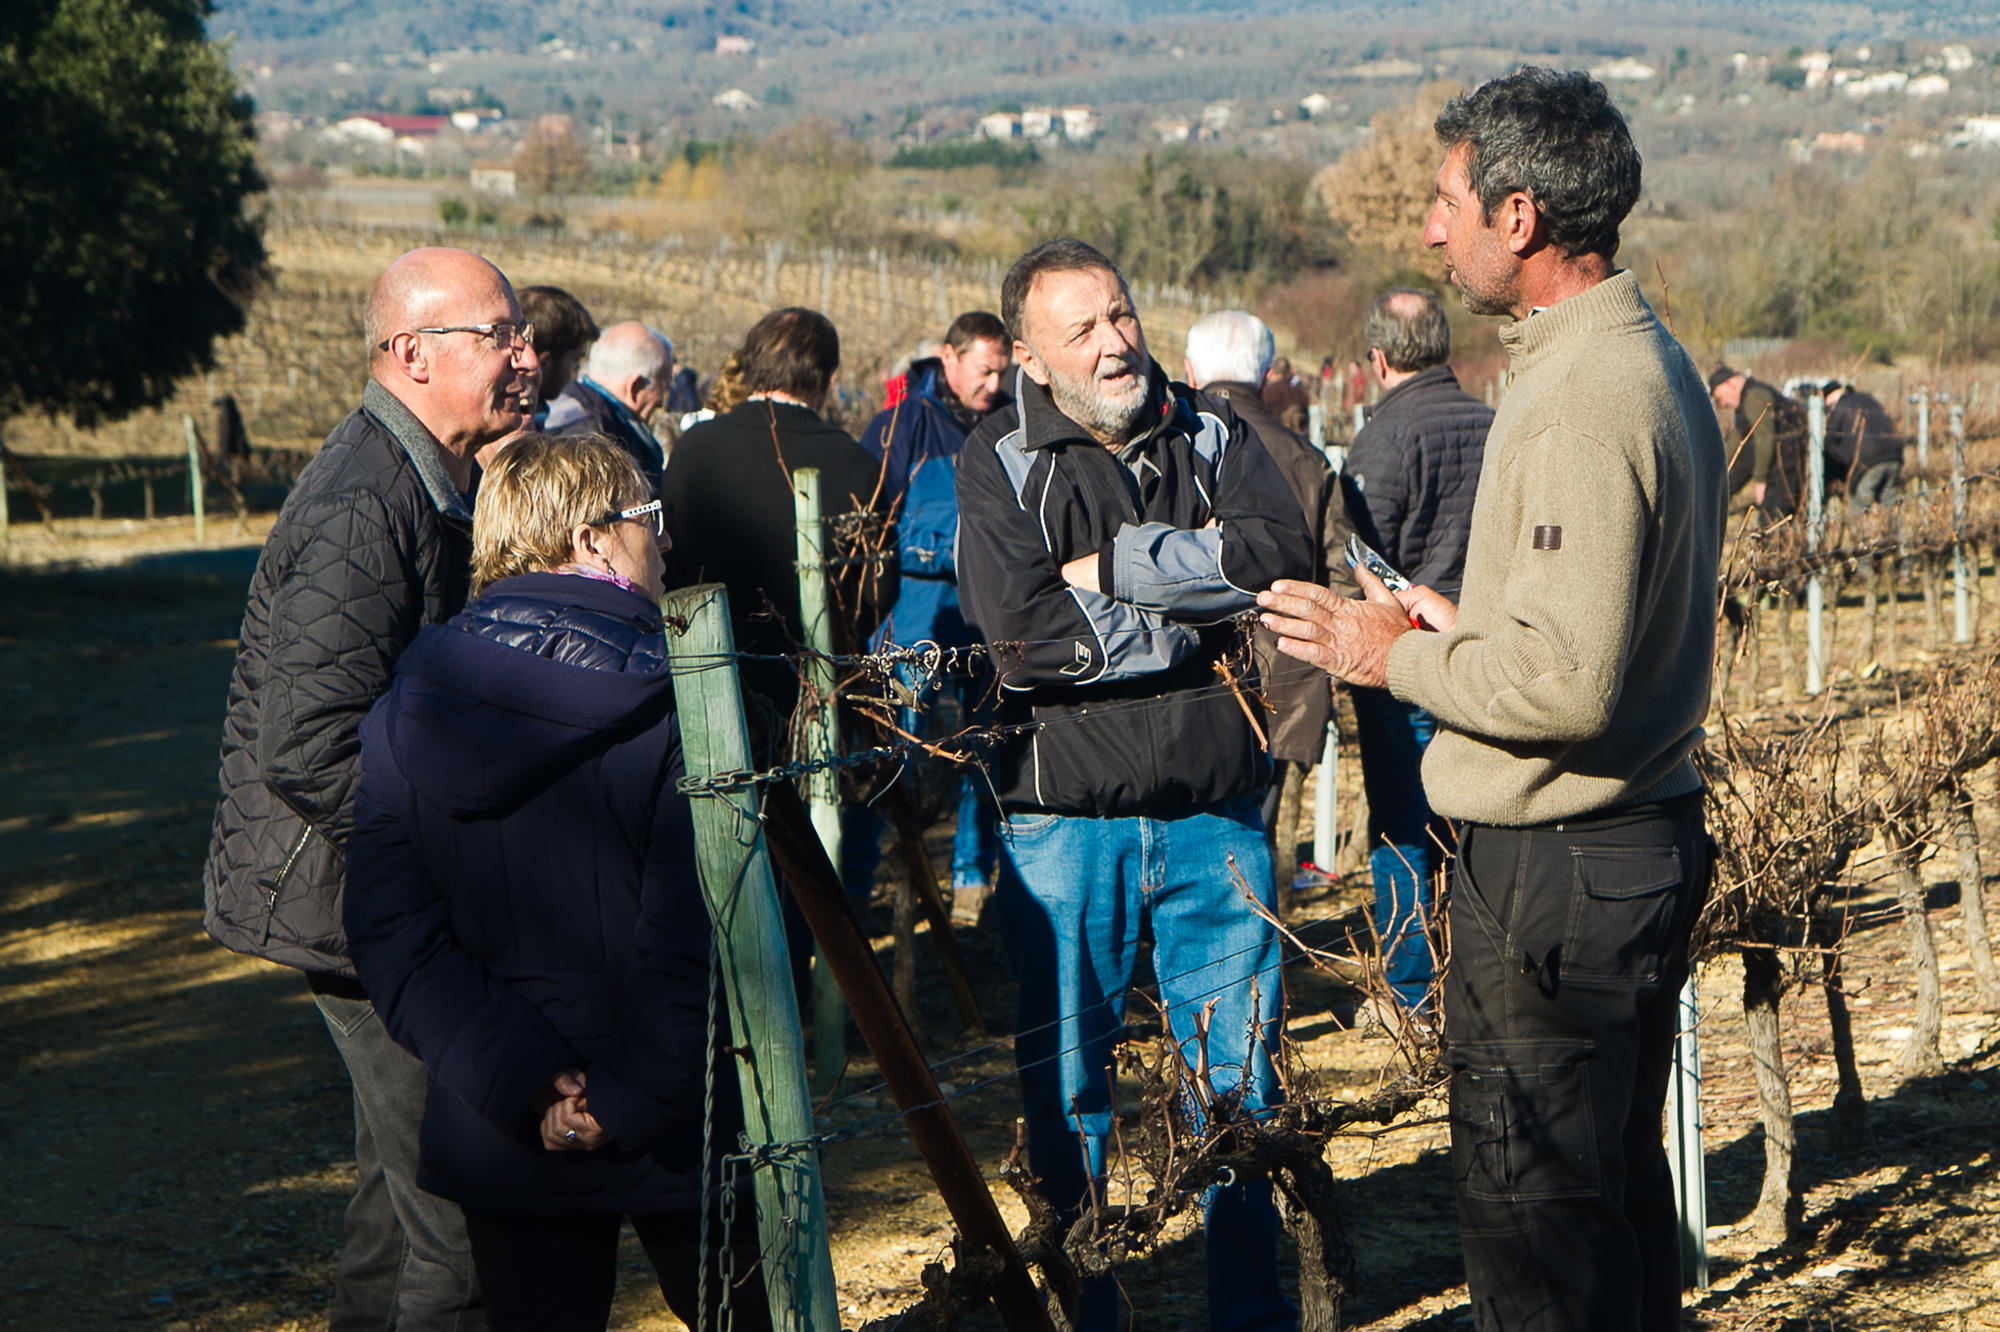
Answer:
(1920, 1054)
(1779, 1209)
(1972, 896)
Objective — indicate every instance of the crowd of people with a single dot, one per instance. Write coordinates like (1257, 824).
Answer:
(451, 759)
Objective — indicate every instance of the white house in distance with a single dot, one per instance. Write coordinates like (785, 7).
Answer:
(735, 100)
(1038, 122)
(493, 178)
(731, 45)
(1314, 105)
(1624, 70)
(1000, 125)
(385, 127)
(1868, 85)
(1983, 131)
(470, 119)
(1081, 123)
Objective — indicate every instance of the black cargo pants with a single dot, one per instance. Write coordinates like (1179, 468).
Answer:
(1568, 952)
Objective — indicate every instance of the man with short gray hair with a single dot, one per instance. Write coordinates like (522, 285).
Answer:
(1416, 464)
(623, 383)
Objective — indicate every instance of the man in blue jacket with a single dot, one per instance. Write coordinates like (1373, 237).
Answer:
(1112, 524)
(918, 442)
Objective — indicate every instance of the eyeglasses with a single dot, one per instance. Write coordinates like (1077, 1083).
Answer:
(505, 337)
(649, 514)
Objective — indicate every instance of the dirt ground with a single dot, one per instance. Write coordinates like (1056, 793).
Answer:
(177, 1132)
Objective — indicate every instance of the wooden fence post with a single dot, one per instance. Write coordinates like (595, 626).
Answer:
(822, 741)
(195, 496)
(756, 972)
(6, 536)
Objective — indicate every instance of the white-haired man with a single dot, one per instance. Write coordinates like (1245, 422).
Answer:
(373, 543)
(1227, 355)
(624, 381)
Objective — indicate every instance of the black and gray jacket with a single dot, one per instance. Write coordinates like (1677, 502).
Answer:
(373, 543)
(1188, 523)
(1859, 427)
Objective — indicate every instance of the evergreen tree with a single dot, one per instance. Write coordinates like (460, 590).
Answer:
(127, 165)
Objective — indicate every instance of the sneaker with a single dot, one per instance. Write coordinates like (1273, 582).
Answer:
(968, 902)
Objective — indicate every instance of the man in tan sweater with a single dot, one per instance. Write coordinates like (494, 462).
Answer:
(1569, 684)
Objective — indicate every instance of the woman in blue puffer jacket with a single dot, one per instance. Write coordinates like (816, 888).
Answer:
(523, 907)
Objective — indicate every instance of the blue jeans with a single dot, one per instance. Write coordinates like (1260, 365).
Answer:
(1403, 857)
(975, 845)
(1079, 891)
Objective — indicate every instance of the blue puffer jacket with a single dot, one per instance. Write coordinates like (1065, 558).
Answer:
(918, 441)
(522, 898)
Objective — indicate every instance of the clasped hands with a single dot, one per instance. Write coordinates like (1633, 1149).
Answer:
(1350, 639)
(567, 1124)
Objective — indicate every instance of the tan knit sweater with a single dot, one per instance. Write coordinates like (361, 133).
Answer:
(1578, 674)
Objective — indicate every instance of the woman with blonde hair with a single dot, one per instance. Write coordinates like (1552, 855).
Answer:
(523, 907)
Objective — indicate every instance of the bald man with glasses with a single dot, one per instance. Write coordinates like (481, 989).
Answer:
(373, 543)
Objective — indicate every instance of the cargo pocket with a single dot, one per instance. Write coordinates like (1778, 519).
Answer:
(1621, 913)
(1521, 1120)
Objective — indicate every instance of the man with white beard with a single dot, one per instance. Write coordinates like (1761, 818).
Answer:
(1111, 525)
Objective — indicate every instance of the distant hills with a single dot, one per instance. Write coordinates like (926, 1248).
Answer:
(368, 26)
(880, 67)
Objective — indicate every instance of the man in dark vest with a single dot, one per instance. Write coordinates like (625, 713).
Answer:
(1416, 464)
(1864, 450)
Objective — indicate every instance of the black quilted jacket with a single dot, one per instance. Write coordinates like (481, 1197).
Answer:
(372, 544)
(1417, 464)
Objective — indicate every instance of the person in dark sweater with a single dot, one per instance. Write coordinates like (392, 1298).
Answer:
(730, 512)
(563, 332)
(523, 904)
(1864, 450)
(1416, 464)
(1766, 442)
